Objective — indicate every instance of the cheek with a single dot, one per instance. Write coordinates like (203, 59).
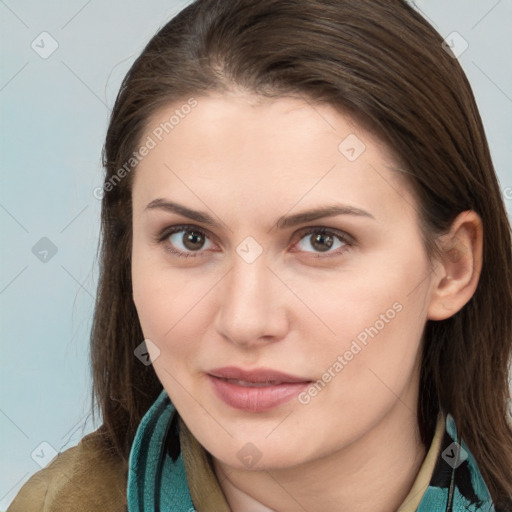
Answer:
(157, 292)
(166, 320)
(377, 317)
(170, 306)
(364, 303)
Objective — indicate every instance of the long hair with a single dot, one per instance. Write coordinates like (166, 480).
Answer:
(380, 61)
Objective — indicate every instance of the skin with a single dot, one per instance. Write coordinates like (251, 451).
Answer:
(247, 162)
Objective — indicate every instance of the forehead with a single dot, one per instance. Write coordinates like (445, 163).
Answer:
(254, 151)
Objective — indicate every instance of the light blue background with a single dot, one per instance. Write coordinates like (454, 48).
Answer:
(53, 122)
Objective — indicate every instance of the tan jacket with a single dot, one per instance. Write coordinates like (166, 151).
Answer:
(84, 478)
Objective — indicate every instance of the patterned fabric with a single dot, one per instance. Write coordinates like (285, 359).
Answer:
(156, 482)
(456, 484)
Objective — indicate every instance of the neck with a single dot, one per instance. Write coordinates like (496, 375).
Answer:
(373, 474)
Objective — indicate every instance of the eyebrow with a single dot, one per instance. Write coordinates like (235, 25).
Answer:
(282, 223)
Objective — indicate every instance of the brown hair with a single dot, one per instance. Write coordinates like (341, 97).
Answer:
(381, 61)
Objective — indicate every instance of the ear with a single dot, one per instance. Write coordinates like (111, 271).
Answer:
(458, 267)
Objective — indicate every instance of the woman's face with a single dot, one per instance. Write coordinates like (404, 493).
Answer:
(280, 334)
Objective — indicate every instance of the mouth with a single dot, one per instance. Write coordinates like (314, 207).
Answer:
(253, 384)
(257, 376)
(255, 390)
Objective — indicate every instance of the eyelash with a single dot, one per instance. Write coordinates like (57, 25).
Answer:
(162, 238)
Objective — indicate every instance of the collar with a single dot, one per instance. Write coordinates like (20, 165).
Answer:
(150, 468)
(156, 482)
(456, 484)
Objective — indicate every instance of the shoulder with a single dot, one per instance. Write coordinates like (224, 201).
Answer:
(87, 477)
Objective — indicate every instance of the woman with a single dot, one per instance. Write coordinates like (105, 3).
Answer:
(305, 297)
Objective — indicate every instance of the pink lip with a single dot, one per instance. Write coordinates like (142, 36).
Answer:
(280, 387)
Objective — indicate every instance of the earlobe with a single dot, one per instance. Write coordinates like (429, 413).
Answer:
(459, 266)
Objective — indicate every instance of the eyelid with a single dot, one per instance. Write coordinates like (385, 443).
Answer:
(342, 235)
(169, 230)
(347, 239)
(164, 234)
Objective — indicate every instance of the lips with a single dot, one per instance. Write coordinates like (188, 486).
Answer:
(255, 390)
(261, 375)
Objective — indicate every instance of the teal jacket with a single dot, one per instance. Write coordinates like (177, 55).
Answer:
(156, 482)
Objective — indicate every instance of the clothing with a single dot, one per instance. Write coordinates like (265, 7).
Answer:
(155, 481)
(207, 495)
(85, 479)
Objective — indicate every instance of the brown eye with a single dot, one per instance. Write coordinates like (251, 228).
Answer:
(322, 240)
(185, 241)
(193, 240)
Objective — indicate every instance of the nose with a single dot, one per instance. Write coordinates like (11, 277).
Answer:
(251, 308)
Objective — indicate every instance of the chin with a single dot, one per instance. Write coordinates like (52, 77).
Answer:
(257, 454)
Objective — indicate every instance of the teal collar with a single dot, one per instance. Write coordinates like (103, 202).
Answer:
(456, 484)
(157, 483)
